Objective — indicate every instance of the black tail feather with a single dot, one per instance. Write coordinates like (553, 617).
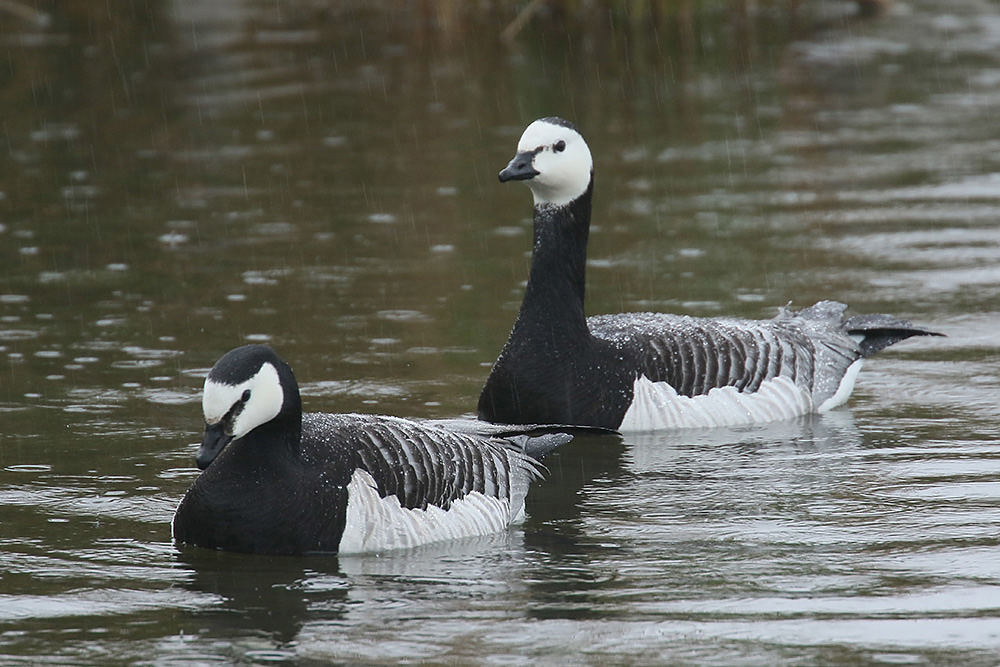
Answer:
(540, 441)
(535, 440)
(880, 331)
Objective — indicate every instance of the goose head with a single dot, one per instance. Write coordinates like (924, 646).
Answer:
(249, 386)
(553, 160)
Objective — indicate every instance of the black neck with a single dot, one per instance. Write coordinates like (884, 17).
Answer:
(556, 284)
(550, 371)
(267, 449)
(283, 433)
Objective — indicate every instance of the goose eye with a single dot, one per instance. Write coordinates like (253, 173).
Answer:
(246, 395)
(559, 146)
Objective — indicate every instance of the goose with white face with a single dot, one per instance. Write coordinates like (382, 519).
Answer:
(553, 160)
(233, 410)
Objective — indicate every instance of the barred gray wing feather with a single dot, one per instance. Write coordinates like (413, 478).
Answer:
(423, 464)
(695, 355)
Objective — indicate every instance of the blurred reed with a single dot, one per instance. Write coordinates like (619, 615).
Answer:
(514, 17)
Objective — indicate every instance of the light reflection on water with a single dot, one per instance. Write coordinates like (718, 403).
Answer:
(229, 172)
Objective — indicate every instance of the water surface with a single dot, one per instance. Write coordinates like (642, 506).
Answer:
(184, 177)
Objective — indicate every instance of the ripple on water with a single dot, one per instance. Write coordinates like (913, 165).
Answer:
(18, 334)
(171, 396)
(91, 408)
(131, 364)
(354, 388)
(62, 497)
(150, 353)
(108, 602)
(29, 467)
(14, 298)
(403, 316)
(268, 277)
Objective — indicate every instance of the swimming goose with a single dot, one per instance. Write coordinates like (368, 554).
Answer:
(277, 481)
(649, 371)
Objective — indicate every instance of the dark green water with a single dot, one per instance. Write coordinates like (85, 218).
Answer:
(182, 177)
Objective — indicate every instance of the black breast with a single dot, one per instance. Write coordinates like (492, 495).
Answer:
(259, 497)
(588, 383)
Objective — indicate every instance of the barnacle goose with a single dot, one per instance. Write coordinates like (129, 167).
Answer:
(277, 481)
(649, 371)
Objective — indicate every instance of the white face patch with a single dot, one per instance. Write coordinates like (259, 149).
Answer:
(263, 404)
(563, 175)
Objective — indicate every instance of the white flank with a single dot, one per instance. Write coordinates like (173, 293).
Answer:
(844, 389)
(657, 405)
(382, 524)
